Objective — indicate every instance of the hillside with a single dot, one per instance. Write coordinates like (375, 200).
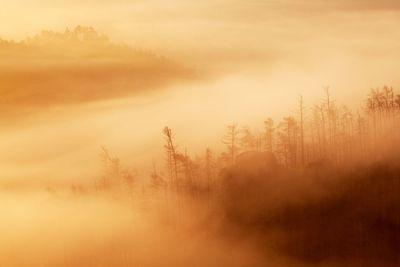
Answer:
(76, 66)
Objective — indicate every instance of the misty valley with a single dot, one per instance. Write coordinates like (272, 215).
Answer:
(114, 155)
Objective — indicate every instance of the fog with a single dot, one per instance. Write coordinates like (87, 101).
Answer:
(199, 133)
(314, 217)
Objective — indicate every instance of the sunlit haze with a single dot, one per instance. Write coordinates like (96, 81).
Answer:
(99, 99)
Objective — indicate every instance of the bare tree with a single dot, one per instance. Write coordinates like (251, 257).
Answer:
(171, 151)
(156, 180)
(269, 134)
(208, 170)
(248, 140)
(230, 139)
(288, 138)
(111, 169)
(301, 114)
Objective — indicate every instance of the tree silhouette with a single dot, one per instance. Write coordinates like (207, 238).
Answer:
(288, 138)
(231, 139)
(269, 134)
(301, 114)
(172, 159)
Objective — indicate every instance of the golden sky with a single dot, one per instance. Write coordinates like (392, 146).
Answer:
(229, 25)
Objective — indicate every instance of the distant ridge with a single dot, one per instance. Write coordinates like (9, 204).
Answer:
(76, 35)
(76, 66)
(78, 42)
(79, 34)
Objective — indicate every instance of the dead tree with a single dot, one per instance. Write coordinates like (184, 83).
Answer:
(248, 140)
(301, 114)
(172, 160)
(288, 141)
(231, 141)
(269, 134)
(208, 170)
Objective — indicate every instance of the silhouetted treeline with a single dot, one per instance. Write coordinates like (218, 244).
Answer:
(317, 136)
(319, 187)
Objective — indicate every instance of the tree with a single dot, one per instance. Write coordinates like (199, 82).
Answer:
(320, 126)
(172, 160)
(208, 172)
(288, 138)
(301, 114)
(156, 181)
(111, 169)
(269, 134)
(332, 123)
(397, 102)
(187, 170)
(374, 105)
(230, 139)
(248, 140)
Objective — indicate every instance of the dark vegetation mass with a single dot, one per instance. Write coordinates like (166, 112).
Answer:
(319, 187)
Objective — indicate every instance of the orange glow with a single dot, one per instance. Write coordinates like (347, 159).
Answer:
(83, 108)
